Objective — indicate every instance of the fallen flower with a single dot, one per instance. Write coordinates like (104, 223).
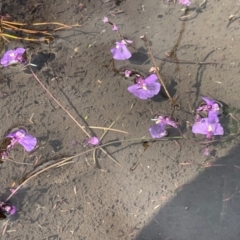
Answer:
(105, 19)
(7, 208)
(158, 129)
(145, 88)
(184, 2)
(93, 141)
(13, 57)
(128, 73)
(114, 28)
(208, 126)
(211, 106)
(120, 52)
(26, 140)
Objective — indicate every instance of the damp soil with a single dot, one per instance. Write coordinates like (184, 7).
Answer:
(175, 192)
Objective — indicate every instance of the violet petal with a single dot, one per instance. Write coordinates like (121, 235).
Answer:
(120, 52)
(139, 92)
(105, 19)
(208, 100)
(200, 127)
(28, 142)
(93, 141)
(158, 130)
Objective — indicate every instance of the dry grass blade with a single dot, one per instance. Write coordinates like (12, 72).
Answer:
(65, 160)
(94, 152)
(16, 26)
(10, 26)
(4, 38)
(5, 227)
(109, 129)
(52, 23)
(60, 105)
(70, 115)
(25, 180)
(4, 35)
(60, 28)
(65, 163)
(13, 23)
(25, 30)
(21, 163)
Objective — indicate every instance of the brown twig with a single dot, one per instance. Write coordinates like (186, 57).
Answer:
(51, 164)
(69, 114)
(52, 23)
(174, 103)
(10, 27)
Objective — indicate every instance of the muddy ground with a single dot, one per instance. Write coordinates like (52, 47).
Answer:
(175, 193)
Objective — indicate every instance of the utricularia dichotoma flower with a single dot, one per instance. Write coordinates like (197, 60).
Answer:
(7, 209)
(13, 57)
(20, 136)
(210, 125)
(114, 26)
(145, 88)
(158, 129)
(120, 51)
(184, 2)
(210, 106)
(94, 141)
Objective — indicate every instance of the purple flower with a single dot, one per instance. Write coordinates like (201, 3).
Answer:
(93, 141)
(105, 20)
(145, 88)
(13, 57)
(114, 28)
(158, 129)
(20, 136)
(208, 126)
(128, 73)
(120, 52)
(210, 106)
(184, 2)
(7, 208)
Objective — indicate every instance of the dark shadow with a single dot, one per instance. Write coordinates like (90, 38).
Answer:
(40, 60)
(83, 121)
(140, 57)
(208, 208)
(55, 144)
(199, 77)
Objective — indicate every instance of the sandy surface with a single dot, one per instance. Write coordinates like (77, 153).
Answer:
(163, 198)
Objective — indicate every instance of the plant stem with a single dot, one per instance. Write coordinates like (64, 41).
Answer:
(67, 159)
(174, 103)
(60, 105)
(69, 114)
